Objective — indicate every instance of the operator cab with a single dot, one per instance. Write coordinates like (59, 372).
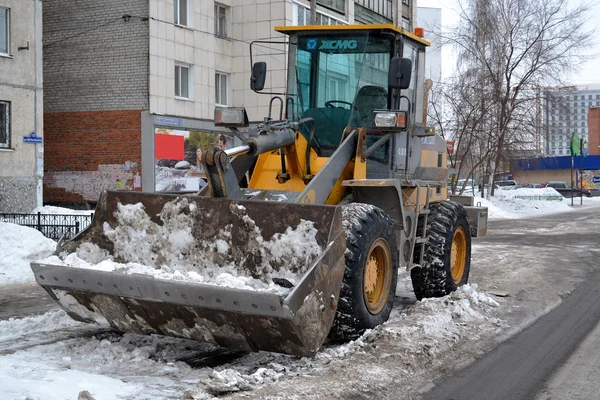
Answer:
(339, 75)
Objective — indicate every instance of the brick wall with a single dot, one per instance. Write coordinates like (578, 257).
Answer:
(105, 68)
(594, 130)
(88, 152)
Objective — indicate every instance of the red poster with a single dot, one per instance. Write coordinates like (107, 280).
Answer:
(450, 146)
(169, 147)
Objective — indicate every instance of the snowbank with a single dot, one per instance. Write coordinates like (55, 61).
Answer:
(19, 245)
(524, 202)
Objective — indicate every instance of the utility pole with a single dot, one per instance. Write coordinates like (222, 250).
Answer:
(313, 12)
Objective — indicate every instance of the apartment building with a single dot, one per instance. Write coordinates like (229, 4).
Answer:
(21, 105)
(122, 74)
(566, 112)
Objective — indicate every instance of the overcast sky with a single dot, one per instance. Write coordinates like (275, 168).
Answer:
(590, 72)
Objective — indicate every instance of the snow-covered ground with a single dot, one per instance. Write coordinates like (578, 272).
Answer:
(526, 202)
(53, 357)
(114, 366)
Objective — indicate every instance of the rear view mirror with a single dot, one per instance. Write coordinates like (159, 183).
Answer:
(259, 75)
(399, 73)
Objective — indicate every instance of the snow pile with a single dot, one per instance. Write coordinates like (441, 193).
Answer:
(429, 326)
(524, 202)
(422, 331)
(19, 245)
(170, 250)
(61, 210)
(230, 380)
(51, 321)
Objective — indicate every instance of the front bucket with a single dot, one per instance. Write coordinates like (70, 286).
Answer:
(229, 233)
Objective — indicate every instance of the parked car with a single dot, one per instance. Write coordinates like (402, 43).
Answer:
(565, 189)
(594, 192)
(532, 185)
(556, 185)
(507, 183)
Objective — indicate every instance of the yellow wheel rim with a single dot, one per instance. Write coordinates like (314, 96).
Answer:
(378, 276)
(458, 255)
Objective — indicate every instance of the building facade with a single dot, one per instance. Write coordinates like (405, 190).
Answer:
(119, 73)
(594, 130)
(566, 112)
(21, 105)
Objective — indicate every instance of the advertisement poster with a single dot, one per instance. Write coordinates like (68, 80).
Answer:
(178, 158)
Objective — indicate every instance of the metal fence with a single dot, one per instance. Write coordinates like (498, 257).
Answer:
(541, 197)
(53, 226)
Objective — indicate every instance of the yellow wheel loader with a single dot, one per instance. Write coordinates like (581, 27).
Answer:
(351, 155)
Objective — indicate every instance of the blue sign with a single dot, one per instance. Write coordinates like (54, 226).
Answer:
(169, 121)
(596, 179)
(32, 138)
(311, 44)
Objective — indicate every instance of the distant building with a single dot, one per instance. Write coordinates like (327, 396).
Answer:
(594, 130)
(21, 105)
(565, 113)
(545, 169)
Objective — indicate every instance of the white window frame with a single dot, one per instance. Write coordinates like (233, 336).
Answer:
(190, 81)
(299, 7)
(6, 109)
(218, 81)
(224, 25)
(7, 32)
(177, 12)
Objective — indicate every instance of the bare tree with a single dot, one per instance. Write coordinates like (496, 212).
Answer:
(457, 114)
(508, 49)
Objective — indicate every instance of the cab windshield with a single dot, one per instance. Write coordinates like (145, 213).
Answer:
(339, 80)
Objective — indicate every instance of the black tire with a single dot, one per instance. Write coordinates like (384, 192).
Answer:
(434, 278)
(368, 230)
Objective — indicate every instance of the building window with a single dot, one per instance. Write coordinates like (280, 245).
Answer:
(337, 5)
(4, 124)
(182, 81)
(381, 7)
(302, 17)
(4, 30)
(221, 89)
(220, 21)
(181, 12)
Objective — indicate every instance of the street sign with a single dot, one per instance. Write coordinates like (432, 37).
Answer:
(169, 121)
(32, 138)
(596, 179)
(450, 146)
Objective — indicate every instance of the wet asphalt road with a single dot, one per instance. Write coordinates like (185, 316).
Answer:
(20, 301)
(536, 363)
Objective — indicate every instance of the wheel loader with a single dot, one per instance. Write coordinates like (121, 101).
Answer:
(351, 153)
